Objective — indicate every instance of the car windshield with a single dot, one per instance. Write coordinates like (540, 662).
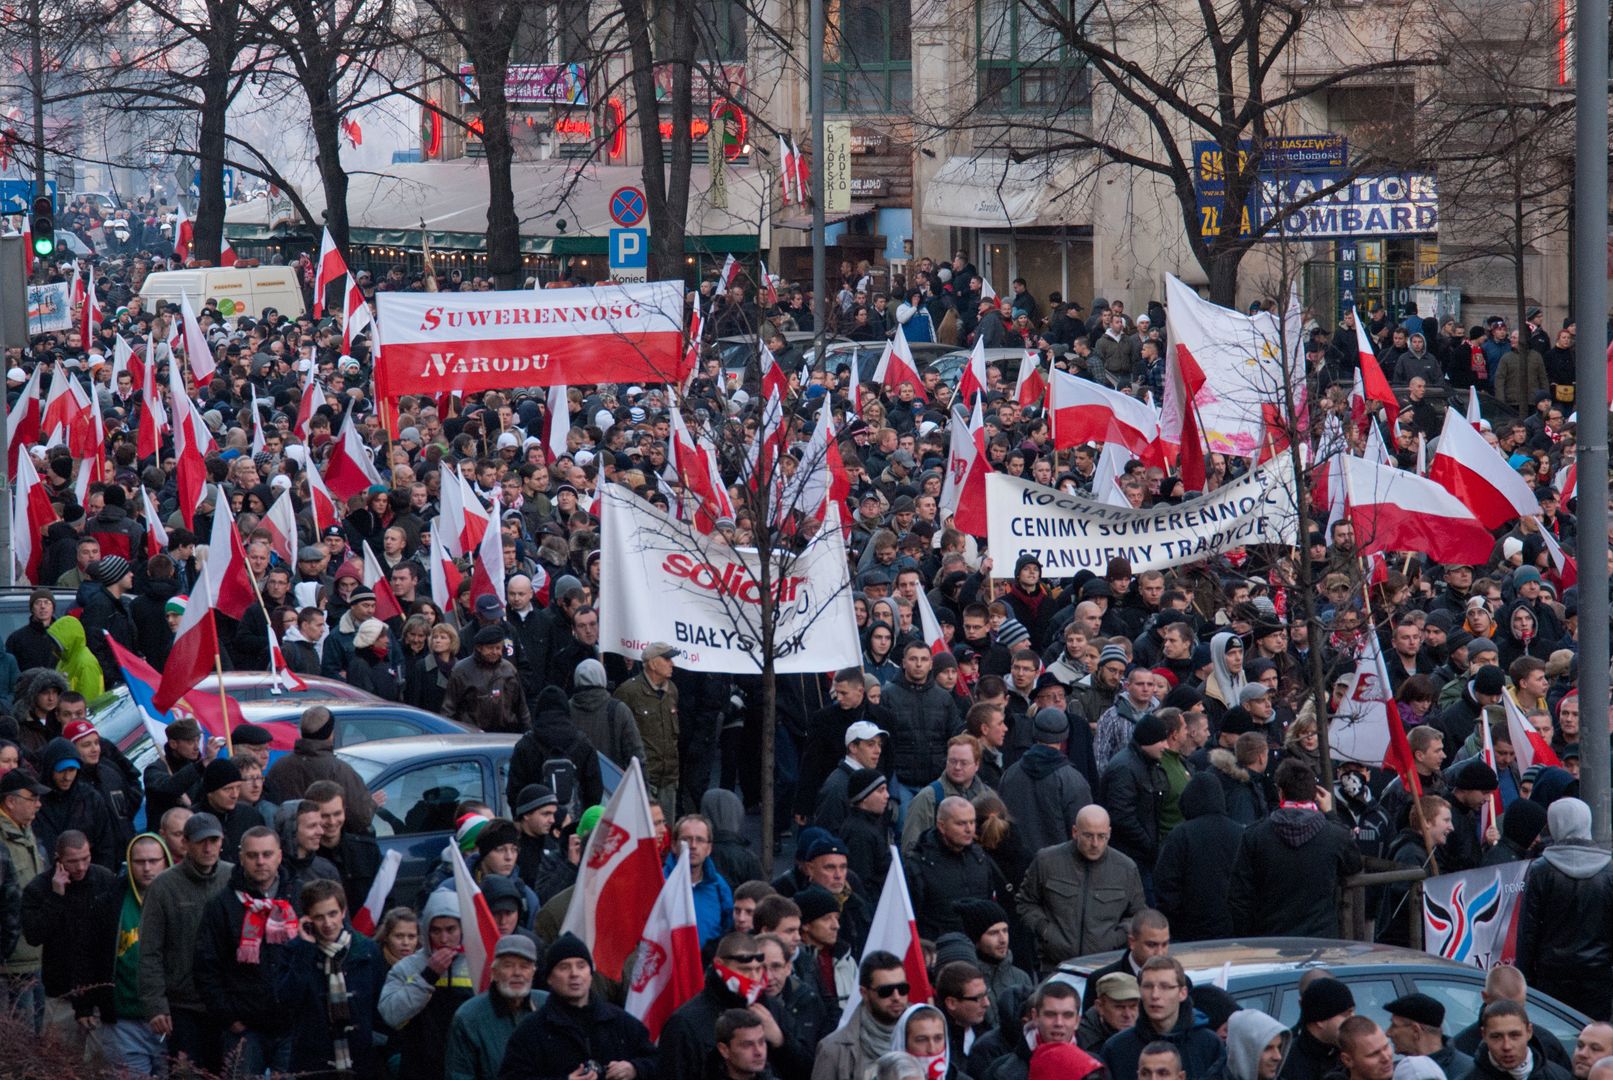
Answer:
(367, 768)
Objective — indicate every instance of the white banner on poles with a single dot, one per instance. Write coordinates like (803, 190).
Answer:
(1472, 917)
(1068, 533)
(662, 581)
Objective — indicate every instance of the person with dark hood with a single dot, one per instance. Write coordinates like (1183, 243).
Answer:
(1042, 790)
(1190, 877)
(1521, 826)
(1569, 958)
(74, 805)
(34, 709)
(604, 721)
(731, 852)
(551, 744)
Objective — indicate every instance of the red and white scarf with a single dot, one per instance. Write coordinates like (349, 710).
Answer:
(274, 921)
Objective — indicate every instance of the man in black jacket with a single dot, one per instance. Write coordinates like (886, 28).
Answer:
(947, 865)
(1190, 878)
(554, 735)
(575, 1027)
(1324, 1005)
(1133, 790)
(106, 613)
(58, 908)
(169, 779)
(1569, 958)
(102, 764)
(922, 718)
(689, 1038)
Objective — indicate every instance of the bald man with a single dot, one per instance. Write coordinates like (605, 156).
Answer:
(948, 865)
(1595, 1042)
(1078, 896)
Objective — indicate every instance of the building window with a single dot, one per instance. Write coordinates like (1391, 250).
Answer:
(719, 27)
(1024, 63)
(868, 57)
(552, 34)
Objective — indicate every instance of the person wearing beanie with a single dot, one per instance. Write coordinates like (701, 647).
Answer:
(30, 643)
(1521, 826)
(545, 855)
(1472, 783)
(868, 828)
(221, 797)
(1458, 720)
(606, 723)
(1042, 790)
(1134, 787)
(376, 664)
(985, 924)
(312, 759)
(1115, 727)
(575, 1025)
(1569, 958)
(1324, 1005)
(423, 991)
(1290, 866)
(554, 753)
(825, 962)
(106, 613)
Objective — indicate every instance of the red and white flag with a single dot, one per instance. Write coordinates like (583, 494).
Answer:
(1473, 471)
(368, 917)
(31, 515)
(232, 591)
(1375, 387)
(963, 489)
(729, 273)
(769, 285)
(329, 269)
(668, 971)
(1529, 745)
(313, 396)
(803, 172)
(619, 877)
(184, 233)
(973, 380)
(153, 416)
(1084, 412)
(195, 649)
(788, 181)
(321, 503)
(774, 380)
(1567, 569)
(1490, 813)
(64, 402)
(90, 313)
(1031, 384)
(374, 579)
(556, 422)
(691, 352)
(894, 930)
(156, 532)
(896, 366)
(478, 932)
(1366, 726)
(197, 350)
(24, 421)
(281, 521)
(190, 441)
(351, 468)
(487, 562)
(1475, 415)
(282, 680)
(1567, 482)
(226, 254)
(445, 576)
(1392, 510)
(697, 471)
(930, 626)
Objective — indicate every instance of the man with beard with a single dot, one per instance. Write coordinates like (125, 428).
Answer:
(482, 1027)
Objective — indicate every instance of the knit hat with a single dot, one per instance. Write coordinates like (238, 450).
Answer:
(1184, 697)
(1480, 646)
(534, 797)
(1530, 775)
(359, 595)
(369, 632)
(567, 946)
(1149, 730)
(590, 818)
(219, 773)
(495, 834)
(825, 845)
(815, 902)
(863, 783)
(1444, 621)
(1525, 574)
(1051, 725)
(175, 605)
(1489, 680)
(1062, 1061)
(1237, 721)
(1419, 1009)
(109, 569)
(1112, 652)
(1215, 1003)
(469, 828)
(1011, 633)
(1473, 775)
(952, 947)
(979, 915)
(1323, 1000)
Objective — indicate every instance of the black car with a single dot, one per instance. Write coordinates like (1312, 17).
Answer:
(1264, 974)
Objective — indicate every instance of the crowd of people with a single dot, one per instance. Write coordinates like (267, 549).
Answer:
(1117, 761)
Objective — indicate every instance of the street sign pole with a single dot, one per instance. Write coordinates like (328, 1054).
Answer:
(13, 334)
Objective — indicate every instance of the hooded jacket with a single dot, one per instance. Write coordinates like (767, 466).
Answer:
(170, 924)
(553, 735)
(32, 733)
(1190, 876)
(22, 864)
(1044, 793)
(122, 928)
(899, 1042)
(1249, 1031)
(604, 721)
(730, 851)
(80, 807)
(1286, 876)
(1203, 1054)
(77, 663)
(419, 1005)
(1569, 958)
(1245, 796)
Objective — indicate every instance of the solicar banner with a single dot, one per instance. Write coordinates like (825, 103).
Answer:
(1068, 533)
(465, 342)
(661, 580)
(1472, 917)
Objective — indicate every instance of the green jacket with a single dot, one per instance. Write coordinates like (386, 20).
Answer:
(28, 864)
(169, 926)
(656, 713)
(481, 1028)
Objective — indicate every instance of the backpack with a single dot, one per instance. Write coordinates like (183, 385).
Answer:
(559, 774)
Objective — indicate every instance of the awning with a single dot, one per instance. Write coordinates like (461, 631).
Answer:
(802, 218)
(995, 193)
(449, 199)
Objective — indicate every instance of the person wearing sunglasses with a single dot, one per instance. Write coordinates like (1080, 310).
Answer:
(850, 1053)
(735, 980)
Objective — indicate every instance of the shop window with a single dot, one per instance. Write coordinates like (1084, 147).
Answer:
(1024, 64)
(868, 57)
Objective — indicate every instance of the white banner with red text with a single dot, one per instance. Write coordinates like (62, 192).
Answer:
(1472, 917)
(434, 343)
(1068, 533)
(661, 581)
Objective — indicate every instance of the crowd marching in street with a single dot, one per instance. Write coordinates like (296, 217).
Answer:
(1028, 765)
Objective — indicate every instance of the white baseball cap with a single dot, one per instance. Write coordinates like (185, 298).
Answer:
(863, 730)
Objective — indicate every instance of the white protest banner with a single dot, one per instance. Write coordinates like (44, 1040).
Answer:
(49, 308)
(464, 342)
(1071, 532)
(1472, 917)
(663, 581)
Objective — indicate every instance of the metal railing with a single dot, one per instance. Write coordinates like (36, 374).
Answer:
(1357, 923)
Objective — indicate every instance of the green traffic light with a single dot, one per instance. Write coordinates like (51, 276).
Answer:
(44, 246)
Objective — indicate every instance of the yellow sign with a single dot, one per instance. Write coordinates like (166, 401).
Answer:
(837, 166)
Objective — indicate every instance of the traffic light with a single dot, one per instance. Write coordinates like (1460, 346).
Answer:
(42, 227)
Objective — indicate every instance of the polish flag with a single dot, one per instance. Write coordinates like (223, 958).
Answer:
(769, 285)
(698, 473)
(1376, 387)
(973, 380)
(1529, 745)
(1475, 415)
(24, 422)
(668, 972)
(1392, 510)
(619, 877)
(312, 398)
(896, 367)
(355, 315)
(351, 468)
(1473, 471)
(86, 439)
(156, 533)
(321, 503)
(478, 936)
(31, 515)
(328, 270)
(774, 381)
(788, 181)
(1566, 482)
(368, 917)
(803, 171)
(1567, 569)
(445, 576)
(1366, 726)
(487, 565)
(729, 273)
(184, 233)
(282, 680)
(1490, 813)
(374, 579)
(281, 521)
(894, 930)
(1084, 412)
(557, 422)
(197, 350)
(195, 648)
(90, 313)
(63, 403)
(226, 254)
(930, 626)
(697, 325)
(1030, 387)
(153, 417)
(963, 489)
(451, 501)
(191, 467)
(232, 591)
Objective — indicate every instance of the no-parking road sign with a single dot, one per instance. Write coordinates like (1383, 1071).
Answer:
(627, 206)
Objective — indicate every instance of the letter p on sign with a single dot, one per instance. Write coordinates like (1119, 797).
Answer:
(629, 254)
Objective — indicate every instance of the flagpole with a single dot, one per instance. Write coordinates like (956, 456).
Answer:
(223, 699)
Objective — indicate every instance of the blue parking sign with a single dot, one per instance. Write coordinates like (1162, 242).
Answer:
(629, 249)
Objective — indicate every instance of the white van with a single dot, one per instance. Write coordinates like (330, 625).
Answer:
(238, 292)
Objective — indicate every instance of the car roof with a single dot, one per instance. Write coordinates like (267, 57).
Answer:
(392, 751)
(1264, 956)
(274, 709)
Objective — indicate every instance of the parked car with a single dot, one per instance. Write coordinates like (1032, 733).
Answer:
(740, 355)
(424, 777)
(1264, 974)
(950, 364)
(14, 602)
(838, 355)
